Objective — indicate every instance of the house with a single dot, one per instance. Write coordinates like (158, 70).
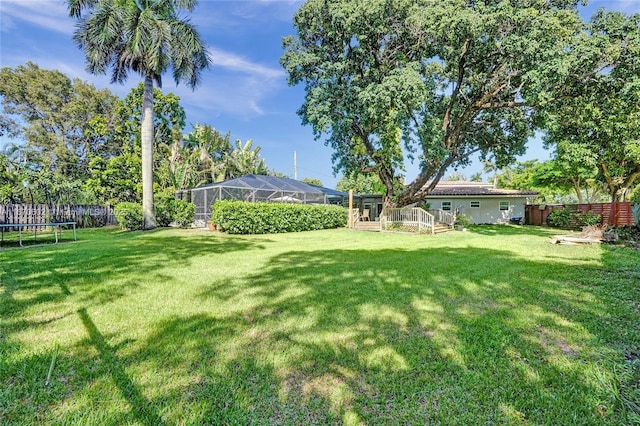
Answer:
(480, 201)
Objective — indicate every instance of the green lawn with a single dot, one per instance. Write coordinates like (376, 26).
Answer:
(491, 326)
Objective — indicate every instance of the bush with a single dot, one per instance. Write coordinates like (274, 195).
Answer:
(169, 210)
(462, 220)
(588, 218)
(239, 217)
(183, 212)
(560, 218)
(628, 232)
(569, 218)
(162, 203)
(129, 215)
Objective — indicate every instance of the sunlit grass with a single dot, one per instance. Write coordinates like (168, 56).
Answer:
(494, 325)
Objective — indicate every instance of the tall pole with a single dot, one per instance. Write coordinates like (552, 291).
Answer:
(295, 166)
(350, 209)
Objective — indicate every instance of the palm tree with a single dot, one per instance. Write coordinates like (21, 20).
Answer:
(244, 160)
(147, 37)
(489, 166)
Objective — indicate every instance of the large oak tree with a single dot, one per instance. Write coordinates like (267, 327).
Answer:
(439, 80)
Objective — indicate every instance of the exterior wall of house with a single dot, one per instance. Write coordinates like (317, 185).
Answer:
(481, 210)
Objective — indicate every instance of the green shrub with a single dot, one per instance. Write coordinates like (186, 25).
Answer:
(169, 210)
(569, 218)
(128, 215)
(588, 218)
(628, 232)
(462, 220)
(239, 217)
(162, 203)
(560, 218)
(183, 212)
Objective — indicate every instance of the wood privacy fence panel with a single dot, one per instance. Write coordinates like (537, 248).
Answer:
(614, 214)
(85, 216)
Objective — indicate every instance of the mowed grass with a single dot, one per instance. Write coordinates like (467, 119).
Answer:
(491, 326)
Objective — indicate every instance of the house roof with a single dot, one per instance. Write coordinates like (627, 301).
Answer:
(476, 189)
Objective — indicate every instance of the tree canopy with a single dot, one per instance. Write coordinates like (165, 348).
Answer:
(72, 143)
(431, 80)
(593, 122)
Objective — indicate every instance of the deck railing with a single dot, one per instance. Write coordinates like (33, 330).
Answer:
(442, 216)
(410, 218)
(355, 217)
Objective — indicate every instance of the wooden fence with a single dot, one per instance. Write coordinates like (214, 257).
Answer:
(614, 214)
(85, 216)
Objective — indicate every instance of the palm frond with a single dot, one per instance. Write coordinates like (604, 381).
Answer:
(148, 38)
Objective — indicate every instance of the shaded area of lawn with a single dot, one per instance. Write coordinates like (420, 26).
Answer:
(452, 330)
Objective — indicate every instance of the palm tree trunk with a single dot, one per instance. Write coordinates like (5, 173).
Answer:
(148, 213)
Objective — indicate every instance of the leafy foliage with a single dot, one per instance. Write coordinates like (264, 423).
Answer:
(361, 183)
(569, 218)
(169, 210)
(183, 212)
(592, 122)
(628, 233)
(60, 123)
(238, 217)
(588, 218)
(561, 218)
(116, 179)
(168, 121)
(312, 181)
(442, 80)
(128, 215)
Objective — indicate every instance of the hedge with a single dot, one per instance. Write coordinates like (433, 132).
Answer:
(129, 215)
(239, 217)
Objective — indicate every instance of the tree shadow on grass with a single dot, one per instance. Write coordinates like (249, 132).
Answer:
(453, 335)
(508, 230)
(142, 409)
(51, 283)
(51, 276)
(389, 336)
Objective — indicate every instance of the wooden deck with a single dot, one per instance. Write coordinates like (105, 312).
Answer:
(414, 220)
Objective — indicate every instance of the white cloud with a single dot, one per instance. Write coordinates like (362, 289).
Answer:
(233, 62)
(238, 96)
(627, 6)
(51, 15)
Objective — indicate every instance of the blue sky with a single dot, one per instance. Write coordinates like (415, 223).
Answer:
(244, 92)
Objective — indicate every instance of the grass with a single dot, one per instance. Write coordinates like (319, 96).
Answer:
(491, 326)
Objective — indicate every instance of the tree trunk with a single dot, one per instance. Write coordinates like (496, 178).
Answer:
(578, 190)
(148, 212)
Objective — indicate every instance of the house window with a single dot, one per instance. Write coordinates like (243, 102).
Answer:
(504, 205)
(446, 206)
(474, 204)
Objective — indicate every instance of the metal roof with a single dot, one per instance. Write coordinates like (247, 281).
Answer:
(274, 183)
(479, 189)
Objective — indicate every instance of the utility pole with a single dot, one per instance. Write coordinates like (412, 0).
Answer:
(295, 166)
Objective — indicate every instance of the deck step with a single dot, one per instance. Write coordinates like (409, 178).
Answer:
(367, 226)
(441, 227)
(375, 226)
